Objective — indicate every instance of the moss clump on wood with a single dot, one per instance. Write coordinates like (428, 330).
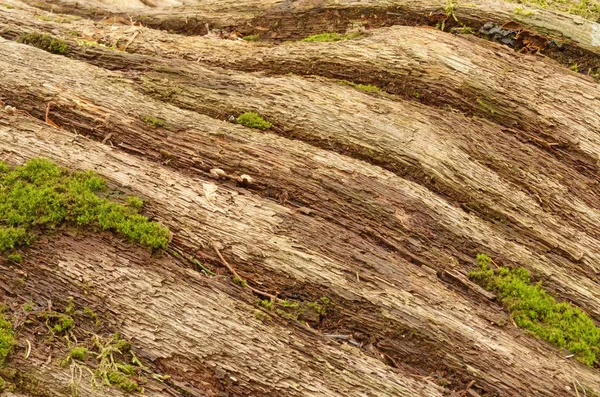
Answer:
(111, 369)
(7, 338)
(92, 315)
(15, 258)
(154, 122)
(532, 308)
(329, 37)
(78, 353)
(297, 310)
(239, 281)
(320, 307)
(266, 303)
(121, 381)
(589, 9)
(361, 87)
(60, 322)
(43, 42)
(523, 12)
(253, 120)
(252, 37)
(41, 196)
(90, 44)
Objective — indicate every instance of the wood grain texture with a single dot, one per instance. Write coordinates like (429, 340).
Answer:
(367, 198)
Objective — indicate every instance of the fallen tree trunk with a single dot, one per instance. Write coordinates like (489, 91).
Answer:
(519, 92)
(410, 308)
(297, 19)
(210, 342)
(274, 253)
(395, 145)
(368, 199)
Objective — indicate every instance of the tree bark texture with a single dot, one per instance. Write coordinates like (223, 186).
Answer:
(377, 200)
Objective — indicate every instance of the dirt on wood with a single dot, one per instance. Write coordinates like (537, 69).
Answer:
(392, 159)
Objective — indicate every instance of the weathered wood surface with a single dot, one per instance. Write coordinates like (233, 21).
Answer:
(287, 19)
(526, 92)
(188, 323)
(360, 197)
(455, 325)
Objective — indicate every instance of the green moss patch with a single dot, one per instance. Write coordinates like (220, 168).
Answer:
(329, 37)
(92, 315)
(7, 338)
(305, 311)
(122, 381)
(111, 368)
(78, 353)
(361, 87)
(589, 9)
(253, 120)
(59, 322)
(154, 122)
(44, 42)
(40, 196)
(15, 258)
(533, 308)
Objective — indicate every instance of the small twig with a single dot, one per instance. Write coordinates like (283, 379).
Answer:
(235, 274)
(384, 281)
(135, 34)
(192, 260)
(576, 391)
(107, 137)
(334, 336)
(347, 338)
(48, 121)
(357, 277)
(171, 392)
(494, 263)
(582, 388)
(227, 265)
(391, 360)
(471, 383)
(28, 351)
(204, 268)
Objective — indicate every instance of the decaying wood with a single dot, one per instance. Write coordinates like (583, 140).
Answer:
(394, 187)
(279, 19)
(464, 281)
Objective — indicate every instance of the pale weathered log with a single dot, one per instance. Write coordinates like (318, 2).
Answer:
(359, 197)
(292, 19)
(279, 256)
(386, 136)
